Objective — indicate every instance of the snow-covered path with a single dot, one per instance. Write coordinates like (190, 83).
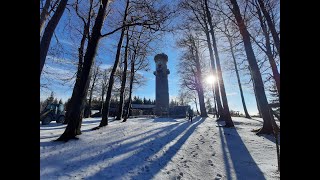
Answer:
(159, 149)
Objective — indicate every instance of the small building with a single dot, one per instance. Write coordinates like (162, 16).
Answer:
(178, 111)
(142, 109)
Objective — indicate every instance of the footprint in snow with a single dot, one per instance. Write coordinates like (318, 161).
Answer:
(147, 168)
(219, 176)
(210, 162)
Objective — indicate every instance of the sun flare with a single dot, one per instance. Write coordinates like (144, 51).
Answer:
(210, 79)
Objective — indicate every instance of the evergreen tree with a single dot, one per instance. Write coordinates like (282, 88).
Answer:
(51, 98)
(172, 103)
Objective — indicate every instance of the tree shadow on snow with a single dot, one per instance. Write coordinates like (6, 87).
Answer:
(164, 120)
(244, 165)
(271, 138)
(52, 126)
(142, 161)
(84, 122)
(152, 168)
(51, 143)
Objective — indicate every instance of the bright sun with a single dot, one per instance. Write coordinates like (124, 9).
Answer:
(210, 79)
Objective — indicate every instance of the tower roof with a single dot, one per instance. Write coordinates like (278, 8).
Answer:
(161, 57)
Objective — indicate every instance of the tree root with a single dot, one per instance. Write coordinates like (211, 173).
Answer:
(226, 126)
(95, 128)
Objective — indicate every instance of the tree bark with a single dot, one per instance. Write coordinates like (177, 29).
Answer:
(195, 101)
(48, 32)
(226, 112)
(81, 87)
(102, 97)
(255, 73)
(123, 78)
(203, 111)
(91, 91)
(105, 110)
(238, 78)
(44, 14)
(106, 105)
(132, 70)
(214, 72)
(86, 28)
(270, 25)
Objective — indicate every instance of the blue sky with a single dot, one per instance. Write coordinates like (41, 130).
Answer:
(106, 55)
(148, 91)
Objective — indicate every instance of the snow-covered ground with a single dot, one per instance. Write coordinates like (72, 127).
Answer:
(159, 148)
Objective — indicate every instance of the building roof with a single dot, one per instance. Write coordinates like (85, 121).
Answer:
(142, 106)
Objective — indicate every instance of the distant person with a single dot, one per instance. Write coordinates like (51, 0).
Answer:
(190, 114)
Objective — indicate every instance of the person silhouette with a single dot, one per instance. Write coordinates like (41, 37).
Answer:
(190, 114)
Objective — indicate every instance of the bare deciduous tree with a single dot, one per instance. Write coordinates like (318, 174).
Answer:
(95, 73)
(81, 87)
(190, 68)
(123, 77)
(270, 23)
(230, 37)
(268, 120)
(48, 32)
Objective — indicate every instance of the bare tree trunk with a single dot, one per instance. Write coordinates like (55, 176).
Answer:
(275, 72)
(203, 111)
(226, 112)
(85, 34)
(123, 78)
(130, 90)
(91, 91)
(44, 14)
(258, 107)
(105, 110)
(214, 71)
(102, 97)
(195, 101)
(81, 87)
(255, 73)
(215, 107)
(270, 25)
(238, 78)
(106, 105)
(48, 32)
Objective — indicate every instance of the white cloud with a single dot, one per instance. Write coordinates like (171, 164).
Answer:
(105, 66)
(65, 61)
(67, 42)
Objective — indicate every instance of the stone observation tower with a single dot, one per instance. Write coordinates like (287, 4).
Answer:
(162, 89)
